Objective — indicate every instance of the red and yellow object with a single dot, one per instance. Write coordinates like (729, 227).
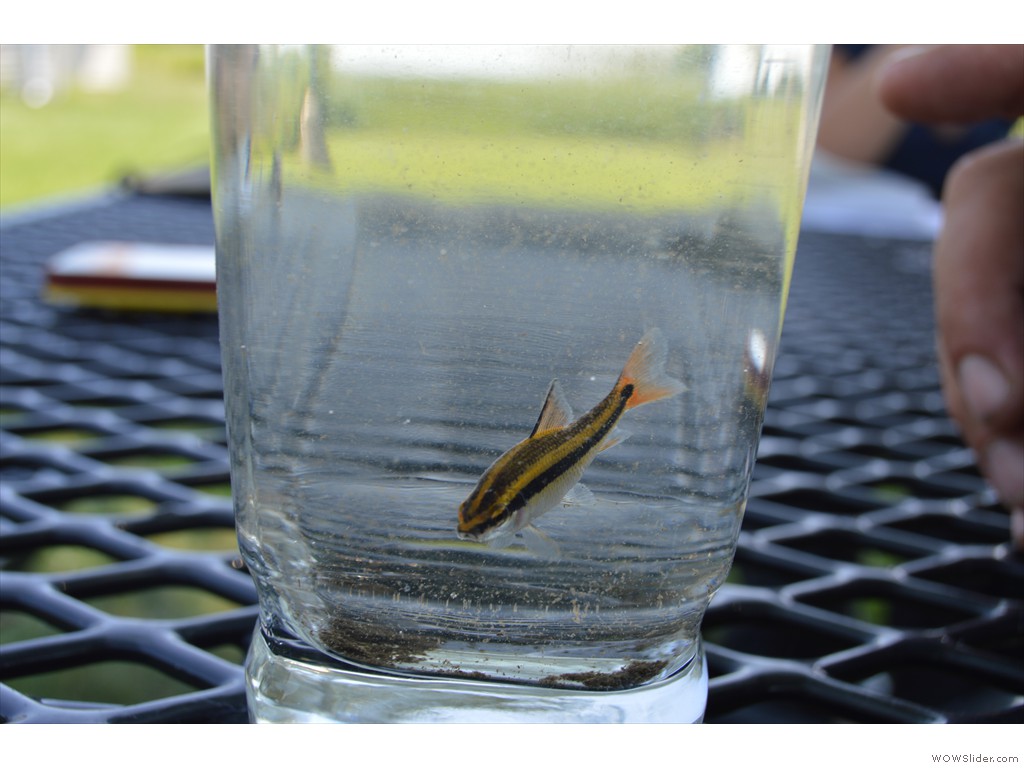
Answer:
(135, 277)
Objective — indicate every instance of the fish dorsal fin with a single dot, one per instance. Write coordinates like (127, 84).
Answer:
(556, 413)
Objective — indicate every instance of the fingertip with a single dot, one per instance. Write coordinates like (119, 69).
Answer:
(954, 83)
(983, 386)
(1005, 469)
(972, 173)
(896, 79)
(902, 54)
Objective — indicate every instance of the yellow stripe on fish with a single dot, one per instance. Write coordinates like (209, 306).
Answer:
(535, 475)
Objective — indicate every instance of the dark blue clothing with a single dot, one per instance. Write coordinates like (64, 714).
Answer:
(923, 153)
(928, 157)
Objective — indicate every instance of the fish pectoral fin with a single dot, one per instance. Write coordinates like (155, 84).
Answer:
(540, 544)
(579, 494)
(556, 411)
(503, 540)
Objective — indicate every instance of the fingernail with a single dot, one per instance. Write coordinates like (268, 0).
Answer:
(983, 386)
(907, 52)
(1005, 470)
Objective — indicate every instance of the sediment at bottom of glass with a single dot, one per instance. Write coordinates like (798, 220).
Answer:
(283, 689)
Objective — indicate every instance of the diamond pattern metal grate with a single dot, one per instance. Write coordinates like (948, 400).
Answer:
(873, 580)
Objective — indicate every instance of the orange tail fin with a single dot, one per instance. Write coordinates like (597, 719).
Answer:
(645, 370)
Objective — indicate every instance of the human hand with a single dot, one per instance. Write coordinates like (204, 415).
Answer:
(979, 255)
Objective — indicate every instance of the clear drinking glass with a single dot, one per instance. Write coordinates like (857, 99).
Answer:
(412, 244)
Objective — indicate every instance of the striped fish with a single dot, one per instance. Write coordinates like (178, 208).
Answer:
(534, 476)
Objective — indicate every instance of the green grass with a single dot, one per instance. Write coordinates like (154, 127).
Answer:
(590, 172)
(81, 141)
(108, 504)
(636, 144)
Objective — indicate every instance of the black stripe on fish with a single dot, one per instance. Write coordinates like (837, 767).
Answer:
(570, 460)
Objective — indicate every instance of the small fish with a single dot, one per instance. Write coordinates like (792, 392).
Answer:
(534, 476)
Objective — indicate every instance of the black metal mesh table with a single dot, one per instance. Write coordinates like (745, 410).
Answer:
(873, 580)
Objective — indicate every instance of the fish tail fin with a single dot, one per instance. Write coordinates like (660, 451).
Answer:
(645, 371)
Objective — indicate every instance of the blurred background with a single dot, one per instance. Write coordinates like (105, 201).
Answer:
(77, 118)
